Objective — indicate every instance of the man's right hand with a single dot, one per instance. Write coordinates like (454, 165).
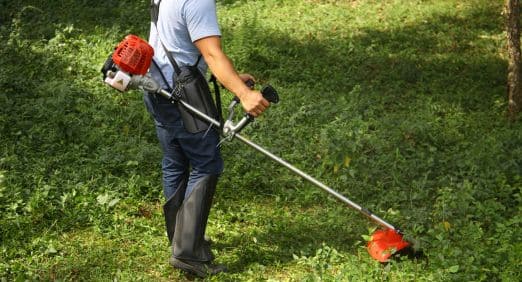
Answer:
(254, 103)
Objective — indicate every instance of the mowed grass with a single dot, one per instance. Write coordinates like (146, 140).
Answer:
(398, 104)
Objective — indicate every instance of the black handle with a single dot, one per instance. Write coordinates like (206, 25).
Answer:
(268, 92)
(250, 83)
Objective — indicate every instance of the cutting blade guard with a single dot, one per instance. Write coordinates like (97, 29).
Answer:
(385, 243)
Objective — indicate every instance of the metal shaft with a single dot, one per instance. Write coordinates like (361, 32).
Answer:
(316, 182)
(284, 163)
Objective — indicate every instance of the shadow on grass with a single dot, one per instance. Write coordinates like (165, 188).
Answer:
(38, 20)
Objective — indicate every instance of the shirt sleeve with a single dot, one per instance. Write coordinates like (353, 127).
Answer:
(201, 19)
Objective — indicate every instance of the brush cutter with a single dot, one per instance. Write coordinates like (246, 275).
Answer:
(126, 68)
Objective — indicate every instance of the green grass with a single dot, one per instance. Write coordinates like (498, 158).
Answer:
(398, 104)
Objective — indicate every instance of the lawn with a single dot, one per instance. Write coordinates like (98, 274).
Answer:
(398, 104)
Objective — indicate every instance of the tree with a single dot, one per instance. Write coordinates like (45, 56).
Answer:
(512, 12)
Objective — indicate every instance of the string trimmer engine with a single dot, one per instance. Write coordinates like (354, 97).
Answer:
(132, 57)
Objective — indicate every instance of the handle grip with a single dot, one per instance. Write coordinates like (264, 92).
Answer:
(250, 83)
(268, 92)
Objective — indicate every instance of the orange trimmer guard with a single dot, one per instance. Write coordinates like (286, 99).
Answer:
(385, 243)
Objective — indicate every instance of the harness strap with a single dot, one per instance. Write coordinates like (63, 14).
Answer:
(162, 75)
(218, 102)
(154, 11)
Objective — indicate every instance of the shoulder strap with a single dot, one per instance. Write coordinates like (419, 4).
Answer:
(162, 75)
(218, 101)
(154, 11)
(169, 56)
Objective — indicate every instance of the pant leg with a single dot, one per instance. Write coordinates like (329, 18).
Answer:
(175, 164)
(200, 150)
(203, 153)
(182, 151)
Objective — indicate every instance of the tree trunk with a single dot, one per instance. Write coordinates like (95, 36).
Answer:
(513, 47)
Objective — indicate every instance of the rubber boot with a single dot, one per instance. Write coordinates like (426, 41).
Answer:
(190, 251)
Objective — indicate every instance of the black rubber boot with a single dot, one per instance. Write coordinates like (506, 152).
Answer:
(190, 251)
(191, 221)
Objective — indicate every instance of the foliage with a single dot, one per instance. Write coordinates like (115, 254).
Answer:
(398, 104)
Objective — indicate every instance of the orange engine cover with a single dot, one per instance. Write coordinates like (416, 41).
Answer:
(133, 55)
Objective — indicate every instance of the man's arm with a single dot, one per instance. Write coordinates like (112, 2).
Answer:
(221, 66)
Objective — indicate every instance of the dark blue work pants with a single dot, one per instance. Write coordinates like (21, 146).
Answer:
(184, 153)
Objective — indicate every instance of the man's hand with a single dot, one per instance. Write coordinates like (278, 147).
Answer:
(254, 103)
(251, 101)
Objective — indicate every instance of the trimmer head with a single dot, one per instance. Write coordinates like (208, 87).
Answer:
(385, 243)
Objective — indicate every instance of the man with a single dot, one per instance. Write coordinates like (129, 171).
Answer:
(191, 163)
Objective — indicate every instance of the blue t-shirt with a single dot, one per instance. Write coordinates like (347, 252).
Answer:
(180, 23)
